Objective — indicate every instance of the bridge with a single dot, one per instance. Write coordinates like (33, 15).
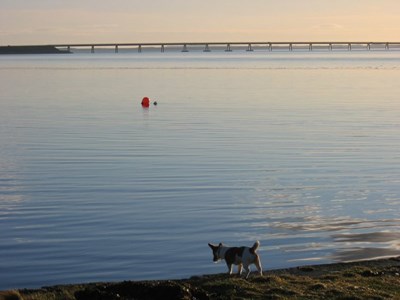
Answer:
(229, 46)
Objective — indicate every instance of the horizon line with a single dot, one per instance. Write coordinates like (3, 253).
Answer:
(301, 42)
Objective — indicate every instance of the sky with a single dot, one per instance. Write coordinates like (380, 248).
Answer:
(133, 21)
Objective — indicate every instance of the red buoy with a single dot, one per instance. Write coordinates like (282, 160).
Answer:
(145, 102)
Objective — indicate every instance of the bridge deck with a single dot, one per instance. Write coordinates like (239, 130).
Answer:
(185, 46)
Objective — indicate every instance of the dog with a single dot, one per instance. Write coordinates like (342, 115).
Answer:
(240, 256)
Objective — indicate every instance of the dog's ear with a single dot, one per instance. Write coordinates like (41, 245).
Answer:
(212, 246)
(220, 245)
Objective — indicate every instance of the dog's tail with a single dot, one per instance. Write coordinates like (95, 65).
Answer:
(255, 247)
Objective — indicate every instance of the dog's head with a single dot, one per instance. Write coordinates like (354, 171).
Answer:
(216, 253)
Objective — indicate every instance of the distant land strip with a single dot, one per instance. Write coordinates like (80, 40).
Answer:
(204, 46)
(31, 50)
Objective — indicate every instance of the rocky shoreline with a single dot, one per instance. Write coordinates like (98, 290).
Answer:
(374, 279)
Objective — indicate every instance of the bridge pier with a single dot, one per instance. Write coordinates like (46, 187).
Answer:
(290, 47)
(185, 49)
(162, 49)
(228, 48)
(270, 46)
(310, 47)
(207, 49)
(387, 46)
(249, 48)
(139, 48)
(92, 50)
(349, 47)
(330, 47)
(116, 48)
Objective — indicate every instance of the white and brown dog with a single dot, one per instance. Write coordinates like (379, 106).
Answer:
(240, 256)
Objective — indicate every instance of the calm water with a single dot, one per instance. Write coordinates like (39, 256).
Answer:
(297, 150)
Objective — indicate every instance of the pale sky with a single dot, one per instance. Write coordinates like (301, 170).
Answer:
(134, 21)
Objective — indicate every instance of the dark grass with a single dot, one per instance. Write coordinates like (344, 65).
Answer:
(375, 279)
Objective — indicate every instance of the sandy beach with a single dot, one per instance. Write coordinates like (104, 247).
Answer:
(373, 279)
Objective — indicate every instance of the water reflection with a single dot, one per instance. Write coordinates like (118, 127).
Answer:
(359, 246)
(358, 253)
(371, 237)
(297, 226)
(9, 184)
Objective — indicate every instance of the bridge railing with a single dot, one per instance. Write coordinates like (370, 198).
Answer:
(230, 46)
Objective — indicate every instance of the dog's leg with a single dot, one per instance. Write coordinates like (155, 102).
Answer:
(240, 269)
(258, 265)
(247, 269)
(230, 269)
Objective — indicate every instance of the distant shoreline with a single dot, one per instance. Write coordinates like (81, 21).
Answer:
(31, 50)
(373, 279)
